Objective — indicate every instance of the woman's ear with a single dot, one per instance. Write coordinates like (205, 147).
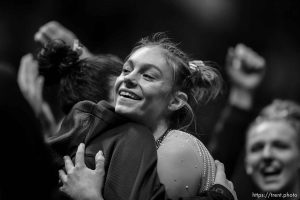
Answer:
(178, 101)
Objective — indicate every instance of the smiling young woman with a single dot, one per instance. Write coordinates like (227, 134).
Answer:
(159, 87)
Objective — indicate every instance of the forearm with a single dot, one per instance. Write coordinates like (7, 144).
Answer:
(228, 137)
(241, 98)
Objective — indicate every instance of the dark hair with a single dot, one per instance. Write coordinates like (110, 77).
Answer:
(201, 81)
(78, 79)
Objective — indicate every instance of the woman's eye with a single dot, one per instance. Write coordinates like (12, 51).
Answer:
(148, 76)
(125, 70)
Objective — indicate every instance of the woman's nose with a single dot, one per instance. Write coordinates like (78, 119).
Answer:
(130, 82)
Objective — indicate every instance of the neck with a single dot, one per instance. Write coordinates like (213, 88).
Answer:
(159, 129)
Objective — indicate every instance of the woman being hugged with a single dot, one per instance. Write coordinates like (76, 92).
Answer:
(63, 78)
(159, 87)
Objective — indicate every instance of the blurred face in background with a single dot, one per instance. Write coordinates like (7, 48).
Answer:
(272, 155)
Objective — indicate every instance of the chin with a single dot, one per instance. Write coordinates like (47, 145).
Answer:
(271, 188)
(275, 186)
(122, 110)
(125, 111)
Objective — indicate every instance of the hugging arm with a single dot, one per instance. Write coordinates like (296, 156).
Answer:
(82, 183)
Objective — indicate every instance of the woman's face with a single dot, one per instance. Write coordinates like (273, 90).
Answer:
(143, 90)
(272, 155)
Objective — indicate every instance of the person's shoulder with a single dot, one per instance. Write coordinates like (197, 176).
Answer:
(189, 156)
(180, 149)
(179, 165)
(180, 143)
(135, 130)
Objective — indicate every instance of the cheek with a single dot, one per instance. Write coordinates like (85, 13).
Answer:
(252, 160)
(291, 159)
(118, 81)
(159, 92)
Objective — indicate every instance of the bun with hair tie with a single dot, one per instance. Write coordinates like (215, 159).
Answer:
(56, 60)
(205, 80)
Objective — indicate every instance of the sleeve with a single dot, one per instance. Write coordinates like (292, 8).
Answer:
(72, 132)
(229, 135)
(131, 168)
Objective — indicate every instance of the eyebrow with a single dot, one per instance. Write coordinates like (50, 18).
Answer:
(148, 65)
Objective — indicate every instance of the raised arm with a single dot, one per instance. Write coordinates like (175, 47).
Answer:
(246, 70)
(53, 30)
(31, 85)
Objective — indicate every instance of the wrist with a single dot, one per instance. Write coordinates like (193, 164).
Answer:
(241, 98)
(81, 49)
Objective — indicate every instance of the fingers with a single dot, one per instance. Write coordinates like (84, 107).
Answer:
(30, 75)
(51, 28)
(230, 54)
(30, 83)
(220, 170)
(39, 87)
(62, 176)
(25, 74)
(100, 160)
(231, 60)
(68, 164)
(21, 72)
(47, 32)
(53, 31)
(250, 56)
(79, 159)
(29, 69)
(42, 38)
(221, 178)
(24, 68)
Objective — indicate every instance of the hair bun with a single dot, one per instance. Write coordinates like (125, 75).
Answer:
(205, 80)
(56, 60)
